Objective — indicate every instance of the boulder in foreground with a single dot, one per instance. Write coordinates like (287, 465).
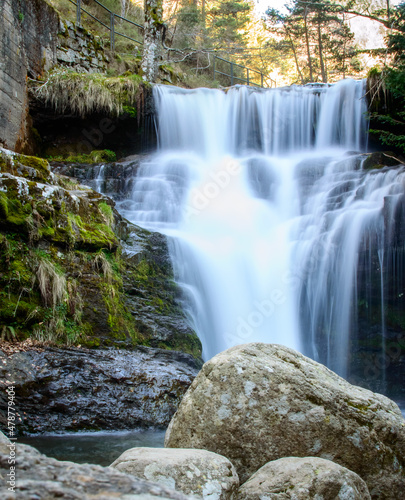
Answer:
(200, 473)
(303, 478)
(38, 476)
(256, 403)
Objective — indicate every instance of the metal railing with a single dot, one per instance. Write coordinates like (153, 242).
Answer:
(233, 78)
(113, 32)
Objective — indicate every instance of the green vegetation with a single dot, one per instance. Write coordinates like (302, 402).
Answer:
(386, 89)
(93, 158)
(86, 93)
(317, 37)
(63, 280)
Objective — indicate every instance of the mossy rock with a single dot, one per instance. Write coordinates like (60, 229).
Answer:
(380, 160)
(104, 298)
(28, 167)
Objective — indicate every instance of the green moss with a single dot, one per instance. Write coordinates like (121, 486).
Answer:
(130, 111)
(13, 213)
(120, 321)
(3, 206)
(190, 344)
(143, 271)
(90, 235)
(96, 156)
(40, 164)
(107, 211)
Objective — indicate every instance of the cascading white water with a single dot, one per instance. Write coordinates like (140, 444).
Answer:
(267, 207)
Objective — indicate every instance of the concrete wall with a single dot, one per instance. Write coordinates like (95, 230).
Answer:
(32, 40)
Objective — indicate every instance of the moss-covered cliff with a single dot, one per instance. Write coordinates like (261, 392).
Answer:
(73, 271)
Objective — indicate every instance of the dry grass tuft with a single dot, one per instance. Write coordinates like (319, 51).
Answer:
(52, 284)
(86, 93)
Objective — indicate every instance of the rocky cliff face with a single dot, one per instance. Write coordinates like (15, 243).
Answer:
(34, 40)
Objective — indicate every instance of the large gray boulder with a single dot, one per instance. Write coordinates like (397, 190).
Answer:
(200, 473)
(40, 477)
(255, 403)
(303, 478)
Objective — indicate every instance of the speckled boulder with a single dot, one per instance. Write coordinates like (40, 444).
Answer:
(255, 403)
(40, 477)
(200, 473)
(303, 478)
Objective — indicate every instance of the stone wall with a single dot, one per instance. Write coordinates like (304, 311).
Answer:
(33, 39)
(27, 47)
(78, 49)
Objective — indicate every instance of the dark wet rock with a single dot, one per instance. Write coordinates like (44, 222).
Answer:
(381, 160)
(38, 476)
(152, 296)
(74, 389)
(113, 179)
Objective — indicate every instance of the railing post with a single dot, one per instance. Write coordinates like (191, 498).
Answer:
(79, 12)
(112, 28)
(261, 78)
(231, 73)
(213, 65)
(247, 71)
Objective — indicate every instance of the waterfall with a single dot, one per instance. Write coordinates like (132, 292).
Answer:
(277, 233)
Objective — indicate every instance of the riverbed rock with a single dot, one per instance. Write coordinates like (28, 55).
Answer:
(303, 478)
(256, 403)
(38, 476)
(200, 473)
(4, 441)
(74, 389)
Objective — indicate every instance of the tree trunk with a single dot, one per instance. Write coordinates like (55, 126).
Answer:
(152, 40)
(311, 78)
(344, 48)
(203, 12)
(295, 55)
(321, 61)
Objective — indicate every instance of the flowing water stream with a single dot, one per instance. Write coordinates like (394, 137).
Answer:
(277, 232)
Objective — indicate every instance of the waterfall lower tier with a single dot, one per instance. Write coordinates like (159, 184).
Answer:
(277, 233)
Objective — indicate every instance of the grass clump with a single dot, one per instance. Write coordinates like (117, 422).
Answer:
(85, 93)
(93, 158)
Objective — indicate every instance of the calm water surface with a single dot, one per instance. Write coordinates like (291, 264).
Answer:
(100, 448)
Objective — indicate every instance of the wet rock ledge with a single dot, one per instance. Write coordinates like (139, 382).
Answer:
(72, 389)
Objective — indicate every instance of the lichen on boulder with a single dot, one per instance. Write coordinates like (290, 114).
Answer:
(256, 403)
(200, 473)
(303, 478)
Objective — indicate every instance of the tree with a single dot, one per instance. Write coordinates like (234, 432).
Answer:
(227, 23)
(152, 41)
(318, 36)
(386, 88)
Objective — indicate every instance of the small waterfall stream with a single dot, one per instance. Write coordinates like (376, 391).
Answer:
(277, 233)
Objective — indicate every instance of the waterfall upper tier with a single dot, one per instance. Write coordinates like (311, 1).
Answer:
(271, 121)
